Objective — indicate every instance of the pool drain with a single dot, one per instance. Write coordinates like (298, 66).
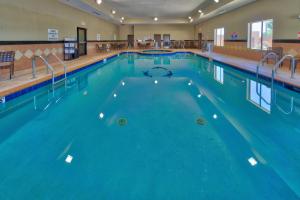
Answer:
(200, 121)
(122, 122)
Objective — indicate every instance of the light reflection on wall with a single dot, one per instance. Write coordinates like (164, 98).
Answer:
(259, 94)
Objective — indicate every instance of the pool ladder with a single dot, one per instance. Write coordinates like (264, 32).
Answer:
(277, 64)
(262, 61)
(49, 68)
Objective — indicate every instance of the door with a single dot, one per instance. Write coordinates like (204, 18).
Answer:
(130, 39)
(167, 40)
(200, 40)
(81, 41)
(157, 38)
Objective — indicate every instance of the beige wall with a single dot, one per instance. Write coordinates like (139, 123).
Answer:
(125, 30)
(177, 32)
(284, 13)
(30, 20)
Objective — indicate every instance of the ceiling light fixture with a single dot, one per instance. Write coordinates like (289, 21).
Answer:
(113, 12)
(190, 17)
(217, 1)
(155, 19)
(98, 2)
(122, 18)
(199, 11)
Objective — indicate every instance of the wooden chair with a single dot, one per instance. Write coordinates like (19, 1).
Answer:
(7, 61)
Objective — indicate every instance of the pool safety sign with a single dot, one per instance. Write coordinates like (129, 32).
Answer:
(52, 34)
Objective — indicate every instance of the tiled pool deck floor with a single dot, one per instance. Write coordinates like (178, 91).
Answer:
(23, 79)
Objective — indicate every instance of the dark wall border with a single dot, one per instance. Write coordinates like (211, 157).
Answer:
(29, 42)
(287, 41)
(274, 41)
(49, 42)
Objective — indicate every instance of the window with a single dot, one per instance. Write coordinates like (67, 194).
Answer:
(219, 37)
(260, 34)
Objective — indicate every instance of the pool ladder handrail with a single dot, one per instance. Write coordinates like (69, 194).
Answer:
(48, 67)
(61, 62)
(262, 61)
(276, 66)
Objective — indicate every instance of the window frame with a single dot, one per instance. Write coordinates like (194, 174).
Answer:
(217, 40)
(249, 40)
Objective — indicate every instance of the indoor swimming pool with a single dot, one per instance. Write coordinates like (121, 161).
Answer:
(152, 127)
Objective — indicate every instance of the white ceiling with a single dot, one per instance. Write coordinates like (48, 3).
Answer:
(155, 8)
(168, 11)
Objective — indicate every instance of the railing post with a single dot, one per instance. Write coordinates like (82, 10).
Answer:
(47, 69)
(33, 67)
(293, 67)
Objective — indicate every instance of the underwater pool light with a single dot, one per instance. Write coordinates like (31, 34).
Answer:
(252, 161)
(115, 95)
(69, 159)
(156, 81)
(215, 116)
(123, 83)
(101, 115)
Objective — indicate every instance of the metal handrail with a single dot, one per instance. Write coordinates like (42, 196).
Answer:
(276, 66)
(261, 62)
(48, 67)
(60, 61)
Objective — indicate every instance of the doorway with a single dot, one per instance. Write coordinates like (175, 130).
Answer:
(130, 40)
(167, 40)
(82, 41)
(200, 40)
(157, 38)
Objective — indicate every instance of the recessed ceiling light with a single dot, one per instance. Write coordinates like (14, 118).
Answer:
(122, 18)
(98, 2)
(155, 19)
(199, 11)
(217, 1)
(113, 12)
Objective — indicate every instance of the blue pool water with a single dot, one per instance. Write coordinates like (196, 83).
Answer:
(207, 131)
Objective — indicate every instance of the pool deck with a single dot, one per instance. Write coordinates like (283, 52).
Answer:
(23, 79)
